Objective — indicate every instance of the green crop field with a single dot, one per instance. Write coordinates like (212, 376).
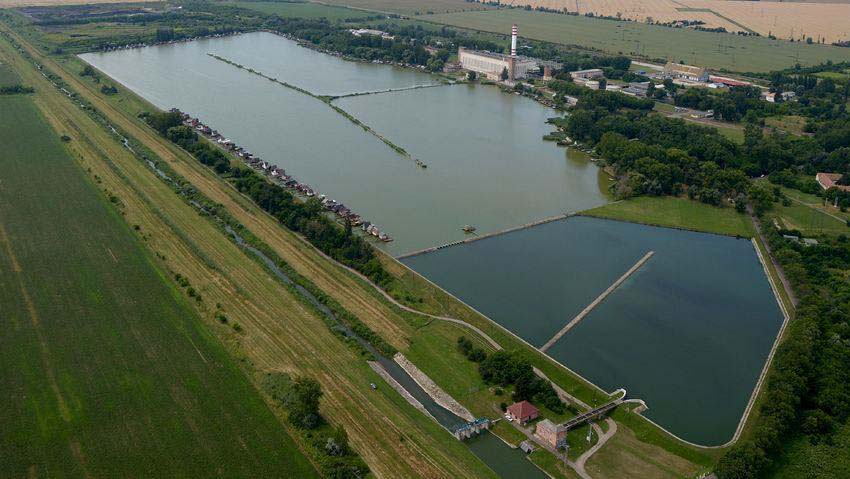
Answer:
(713, 50)
(677, 213)
(409, 7)
(303, 10)
(107, 371)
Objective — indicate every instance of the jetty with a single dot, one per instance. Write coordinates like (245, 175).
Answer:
(487, 235)
(599, 299)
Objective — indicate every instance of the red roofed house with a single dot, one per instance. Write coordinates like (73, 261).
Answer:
(522, 412)
(827, 181)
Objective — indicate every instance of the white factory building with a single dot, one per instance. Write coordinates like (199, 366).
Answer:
(491, 64)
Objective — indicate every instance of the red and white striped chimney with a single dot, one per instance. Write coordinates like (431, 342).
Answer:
(513, 40)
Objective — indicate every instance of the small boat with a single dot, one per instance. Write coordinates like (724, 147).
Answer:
(468, 229)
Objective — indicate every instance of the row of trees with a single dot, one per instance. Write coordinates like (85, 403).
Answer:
(807, 393)
(304, 217)
(17, 89)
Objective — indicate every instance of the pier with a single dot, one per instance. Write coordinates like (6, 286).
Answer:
(584, 312)
(488, 235)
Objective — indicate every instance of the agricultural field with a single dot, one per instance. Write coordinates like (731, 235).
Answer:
(47, 3)
(409, 7)
(799, 21)
(107, 370)
(675, 212)
(276, 329)
(303, 10)
(713, 50)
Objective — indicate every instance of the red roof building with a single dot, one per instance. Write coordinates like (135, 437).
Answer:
(828, 180)
(522, 412)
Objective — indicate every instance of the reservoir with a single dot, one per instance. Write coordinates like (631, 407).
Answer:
(487, 164)
(689, 332)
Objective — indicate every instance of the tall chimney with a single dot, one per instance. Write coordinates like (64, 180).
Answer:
(513, 40)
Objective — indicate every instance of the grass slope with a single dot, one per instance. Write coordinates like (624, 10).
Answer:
(106, 370)
(713, 50)
(677, 213)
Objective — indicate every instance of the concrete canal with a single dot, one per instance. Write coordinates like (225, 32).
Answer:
(487, 164)
(689, 332)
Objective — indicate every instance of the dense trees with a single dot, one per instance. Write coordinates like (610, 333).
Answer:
(327, 445)
(511, 368)
(333, 37)
(808, 389)
(16, 89)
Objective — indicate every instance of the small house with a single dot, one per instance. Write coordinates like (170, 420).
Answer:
(522, 412)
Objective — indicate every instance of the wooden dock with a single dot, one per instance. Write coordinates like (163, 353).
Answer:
(584, 312)
(485, 236)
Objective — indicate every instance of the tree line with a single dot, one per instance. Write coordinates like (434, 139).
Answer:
(511, 368)
(304, 217)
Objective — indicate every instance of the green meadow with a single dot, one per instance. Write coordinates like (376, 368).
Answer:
(106, 370)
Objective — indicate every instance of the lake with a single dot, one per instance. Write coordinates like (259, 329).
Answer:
(487, 164)
(688, 333)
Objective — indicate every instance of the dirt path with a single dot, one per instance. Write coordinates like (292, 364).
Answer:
(603, 438)
(786, 285)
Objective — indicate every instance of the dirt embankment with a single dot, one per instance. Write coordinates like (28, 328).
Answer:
(436, 392)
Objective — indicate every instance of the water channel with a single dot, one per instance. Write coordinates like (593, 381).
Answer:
(487, 164)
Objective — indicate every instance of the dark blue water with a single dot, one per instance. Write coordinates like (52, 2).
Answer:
(688, 333)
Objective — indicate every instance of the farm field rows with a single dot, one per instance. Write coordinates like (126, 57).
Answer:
(780, 19)
(107, 370)
(278, 331)
(409, 7)
(712, 50)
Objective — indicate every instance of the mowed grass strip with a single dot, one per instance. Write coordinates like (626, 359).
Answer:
(682, 213)
(713, 50)
(106, 370)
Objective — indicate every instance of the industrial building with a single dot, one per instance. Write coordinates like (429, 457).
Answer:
(685, 72)
(491, 65)
(551, 434)
(587, 74)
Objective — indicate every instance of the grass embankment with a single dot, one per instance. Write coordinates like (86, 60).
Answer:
(278, 332)
(647, 41)
(679, 213)
(107, 371)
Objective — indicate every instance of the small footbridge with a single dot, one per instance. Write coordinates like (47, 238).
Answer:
(596, 412)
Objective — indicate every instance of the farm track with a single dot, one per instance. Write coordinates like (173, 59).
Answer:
(279, 331)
